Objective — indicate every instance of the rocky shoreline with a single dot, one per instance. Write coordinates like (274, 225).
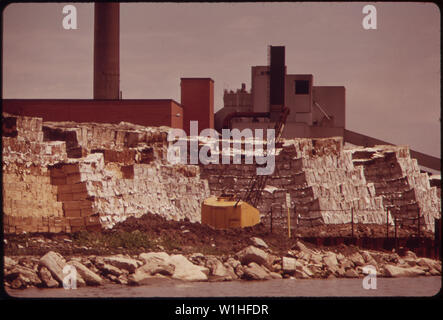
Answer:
(256, 261)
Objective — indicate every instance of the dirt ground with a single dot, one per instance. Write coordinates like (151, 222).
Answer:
(196, 235)
(154, 233)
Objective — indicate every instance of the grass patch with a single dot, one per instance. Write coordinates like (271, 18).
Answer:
(122, 239)
(169, 243)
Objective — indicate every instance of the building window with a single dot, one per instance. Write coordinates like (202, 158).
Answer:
(301, 86)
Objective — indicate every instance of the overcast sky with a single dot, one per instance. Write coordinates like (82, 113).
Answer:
(391, 75)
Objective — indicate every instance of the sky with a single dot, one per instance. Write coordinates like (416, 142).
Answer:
(391, 74)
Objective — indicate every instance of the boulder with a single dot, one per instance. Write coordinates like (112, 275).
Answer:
(275, 275)
(340, 273)
(357, 259)
(164, 268)
(108, 269)
(303, 272)
(139, 277)
(429, 263)
(302, 247)
(156, 262)
(252, 254)
(24, 276)
(197, 258)
(90, 278)
(157, 256)
(394, 271)
(272, 259)
(55, 263)
(276, 267)
(347, 264)
(351, 273)
(289, 265)
(217, 269)
(231, 271)
(410, 255)
(122, 263)
(369, 260)
(258, 242)
(254, 272)
(233, 262)
(299, 274)
(46, 277)
(9, 263)
(316, 269)
(316, 258)
(186, 270)
(330, 260)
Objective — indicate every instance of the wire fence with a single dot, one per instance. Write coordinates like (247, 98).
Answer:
(295, 220)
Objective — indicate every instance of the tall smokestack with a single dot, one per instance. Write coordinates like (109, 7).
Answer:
(106, 50)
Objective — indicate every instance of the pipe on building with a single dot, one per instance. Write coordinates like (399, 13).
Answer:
(107, 50)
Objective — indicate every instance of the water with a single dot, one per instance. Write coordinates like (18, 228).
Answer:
(417, 287)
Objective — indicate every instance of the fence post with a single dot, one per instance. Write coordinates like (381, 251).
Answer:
(418, 225)
(387, 223)
(352, 222)
(295, 217)
(271, 215)
(395, 234)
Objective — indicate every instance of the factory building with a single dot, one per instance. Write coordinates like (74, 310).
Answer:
(197, 103)
(314, 111)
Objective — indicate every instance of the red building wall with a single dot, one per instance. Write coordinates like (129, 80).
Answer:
(143, 112)
(197, 100)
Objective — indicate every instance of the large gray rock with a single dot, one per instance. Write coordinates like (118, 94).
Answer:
(198, 258)
(315, 258)
(156, 262)
(410, 255)
(252, 254)
(108, 269)
(141, 277)
(430, 264)
(9, 263)
(394, 271)
(90, 278)
(46, 277)
(357, 259)
(154, 267)
(330, 260)
(275, 275)
(217, 269)
(55, 264)
(347, 264)
(154, 256)
(233, 262)
(351, 273)
(369, 260)
(254, 272)
(186, 270)
(122, 263)
(289, 265)
(258, 242)
(23, 275)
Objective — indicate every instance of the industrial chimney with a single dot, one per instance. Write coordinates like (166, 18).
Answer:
(106, 50)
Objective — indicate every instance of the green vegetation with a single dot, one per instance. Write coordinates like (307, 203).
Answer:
(127, 240)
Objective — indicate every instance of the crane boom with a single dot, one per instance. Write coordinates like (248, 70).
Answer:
(257, 183)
